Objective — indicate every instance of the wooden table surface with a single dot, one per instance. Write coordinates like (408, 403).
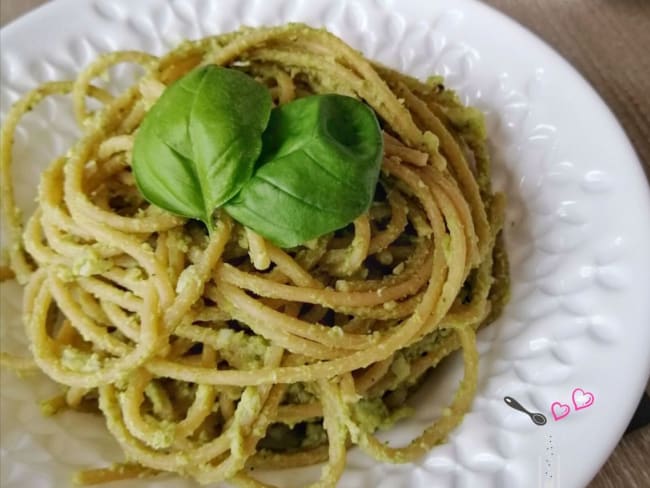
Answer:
(607, 41)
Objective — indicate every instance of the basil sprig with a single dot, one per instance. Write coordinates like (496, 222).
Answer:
(206, 144)
(198, 144)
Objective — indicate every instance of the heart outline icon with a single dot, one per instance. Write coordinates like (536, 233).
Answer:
(581, 398)
(560, 410)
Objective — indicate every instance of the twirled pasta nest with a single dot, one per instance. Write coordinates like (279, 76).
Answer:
(211, 355)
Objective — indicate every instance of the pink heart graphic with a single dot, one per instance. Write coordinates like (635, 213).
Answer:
(559, 410)
(582, 399)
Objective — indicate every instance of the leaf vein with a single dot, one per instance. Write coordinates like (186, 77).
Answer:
(296, 197)
(334, 176)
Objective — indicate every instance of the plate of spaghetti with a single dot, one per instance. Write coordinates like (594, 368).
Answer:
(288, 243)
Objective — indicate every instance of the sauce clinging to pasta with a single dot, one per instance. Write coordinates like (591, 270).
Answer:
(210, 353)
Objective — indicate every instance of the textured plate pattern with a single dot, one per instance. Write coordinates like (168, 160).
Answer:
(577, 299)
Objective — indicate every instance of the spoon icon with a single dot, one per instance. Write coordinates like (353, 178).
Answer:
(537, 418)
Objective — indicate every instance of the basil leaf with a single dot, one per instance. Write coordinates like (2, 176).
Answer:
(198, 144)
(317, 172)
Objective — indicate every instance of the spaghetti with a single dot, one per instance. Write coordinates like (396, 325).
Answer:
(210, 355)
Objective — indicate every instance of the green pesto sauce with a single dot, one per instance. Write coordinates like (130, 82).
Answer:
(372, 414)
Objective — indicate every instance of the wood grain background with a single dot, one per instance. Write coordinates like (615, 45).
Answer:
(608, 41)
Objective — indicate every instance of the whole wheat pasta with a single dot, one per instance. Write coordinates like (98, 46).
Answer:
(211, 353)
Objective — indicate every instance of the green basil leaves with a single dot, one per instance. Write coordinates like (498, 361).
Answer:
(198, 144)
(318, 170)
(206, 144)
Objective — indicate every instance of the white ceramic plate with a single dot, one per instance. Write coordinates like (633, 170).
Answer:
(578, 229)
